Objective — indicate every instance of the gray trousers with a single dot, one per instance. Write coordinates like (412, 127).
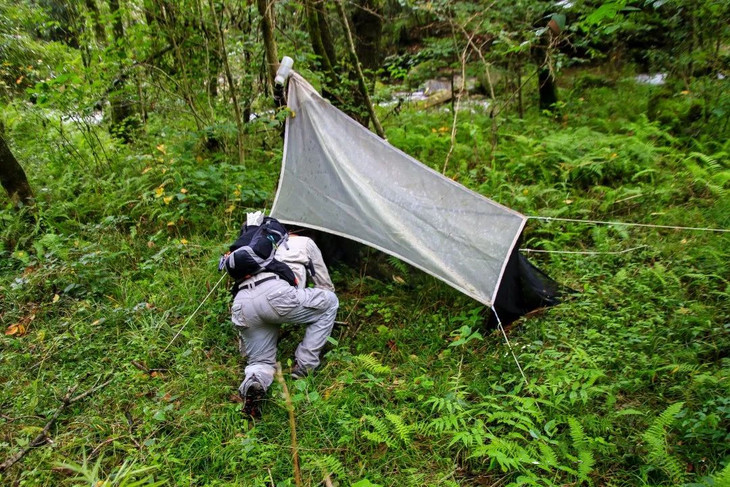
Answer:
(257, 314)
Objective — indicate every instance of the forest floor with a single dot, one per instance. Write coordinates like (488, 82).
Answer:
(626, 383)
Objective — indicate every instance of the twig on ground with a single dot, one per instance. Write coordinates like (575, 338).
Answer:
(292, 425)
(42, 437)
(101, 445)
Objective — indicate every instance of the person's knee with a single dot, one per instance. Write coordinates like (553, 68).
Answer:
(332, 300)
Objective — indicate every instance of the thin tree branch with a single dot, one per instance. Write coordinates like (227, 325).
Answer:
(42, 437)
(360, 77)
(292, 425)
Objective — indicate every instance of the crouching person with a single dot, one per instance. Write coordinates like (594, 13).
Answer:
(264, 301)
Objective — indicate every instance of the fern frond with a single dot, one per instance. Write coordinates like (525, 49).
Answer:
(547, 455)
(508, 454)
(380, 432)
(402, 431)
(371, 364)
(722, 477)
(585, 457)
(398, 265)
(577, 434)
(327, 465)
(656, 441)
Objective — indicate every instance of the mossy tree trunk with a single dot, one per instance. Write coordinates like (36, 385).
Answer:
(13, 177)
(122, 108)
(367, 26)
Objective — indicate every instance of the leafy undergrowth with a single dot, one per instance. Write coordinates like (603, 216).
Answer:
(626, 383)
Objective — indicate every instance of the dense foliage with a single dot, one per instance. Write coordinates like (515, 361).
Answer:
(121, 115)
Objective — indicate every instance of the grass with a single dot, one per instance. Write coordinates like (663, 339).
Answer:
(627, 381)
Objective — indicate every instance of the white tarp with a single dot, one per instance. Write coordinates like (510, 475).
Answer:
(339, 177)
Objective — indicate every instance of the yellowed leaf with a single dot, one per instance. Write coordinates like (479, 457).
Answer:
(19, 80)
(199, 159)
(146, 170)
(162, 148)
(12, 330)
(56, 297)
(170, 224)
(167, 199)
(159, 191)
(184, 241)
(230, 209)
(183, 191)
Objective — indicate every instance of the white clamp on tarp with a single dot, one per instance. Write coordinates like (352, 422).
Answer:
(284, 70)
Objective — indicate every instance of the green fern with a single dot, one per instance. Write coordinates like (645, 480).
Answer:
(398, 265)
(722, 477)
(548, 458)
(395, 432)
(581, 444)
(402, 430)
(656, 441)
(371, 364)
(506, 453)
(325, 466)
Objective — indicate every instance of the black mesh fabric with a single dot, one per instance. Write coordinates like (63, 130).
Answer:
(524, 288)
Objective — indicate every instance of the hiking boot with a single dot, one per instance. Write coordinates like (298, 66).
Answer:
(299, 372)
(252, 400)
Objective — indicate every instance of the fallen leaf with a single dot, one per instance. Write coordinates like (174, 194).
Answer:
(167, 199)
(183, 191)
(56, 297)
(162, 148)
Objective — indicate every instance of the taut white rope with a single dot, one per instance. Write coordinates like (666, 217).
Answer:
(196, 310)
(582, 252)
(509, 345)
(648, 225)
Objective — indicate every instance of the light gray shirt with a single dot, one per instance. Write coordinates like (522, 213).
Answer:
(301, 253)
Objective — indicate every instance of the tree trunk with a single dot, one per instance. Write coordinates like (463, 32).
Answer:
(99, 32)
(231, 85)
(367, 28)
(266, 10)
(360, 77)
(546, 83)
(367, 25)
(122, 108)
(13, 177)
(321, 39)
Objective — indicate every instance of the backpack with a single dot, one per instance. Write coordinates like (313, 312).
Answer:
(254, 251)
